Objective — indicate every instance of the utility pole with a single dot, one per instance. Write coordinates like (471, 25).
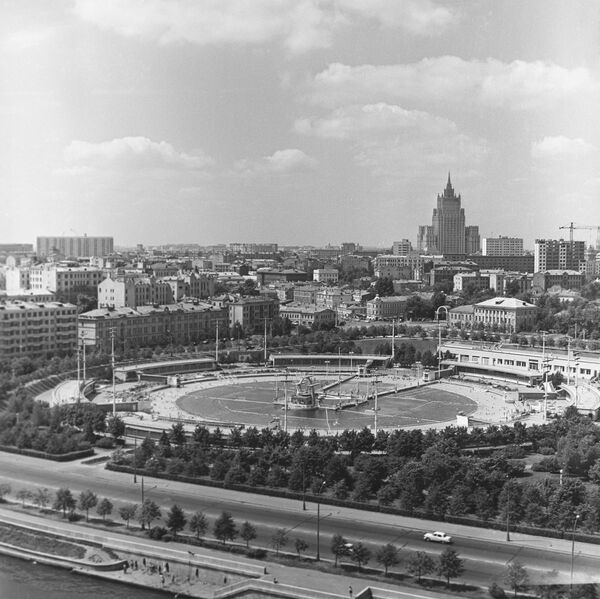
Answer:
(78, 370)
(112, 343)
(437, 314)
(217, 344)
(265, 341)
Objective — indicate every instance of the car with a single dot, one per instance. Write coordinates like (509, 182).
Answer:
(437, 537)
(347, 549)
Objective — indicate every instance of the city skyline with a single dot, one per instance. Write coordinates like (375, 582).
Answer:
(300, 123)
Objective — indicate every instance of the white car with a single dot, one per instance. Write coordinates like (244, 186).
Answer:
(437, 537)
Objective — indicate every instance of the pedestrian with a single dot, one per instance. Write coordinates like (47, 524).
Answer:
(275, 579)
(166, 566)
(144, 562)
(197, 573)
(162, 579)
(159, 570)
(224, 579)
(350, 591)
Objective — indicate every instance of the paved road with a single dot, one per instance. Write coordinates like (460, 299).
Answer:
(486, 552)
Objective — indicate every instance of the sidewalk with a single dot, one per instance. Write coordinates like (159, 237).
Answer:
(206, 573)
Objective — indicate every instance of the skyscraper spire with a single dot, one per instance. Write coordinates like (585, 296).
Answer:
(449, 184)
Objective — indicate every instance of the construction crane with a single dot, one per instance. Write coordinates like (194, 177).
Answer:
(572, 226)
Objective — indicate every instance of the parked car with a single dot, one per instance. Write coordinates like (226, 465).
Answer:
(437, 537)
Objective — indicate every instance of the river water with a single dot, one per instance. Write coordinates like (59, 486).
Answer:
(20, 579)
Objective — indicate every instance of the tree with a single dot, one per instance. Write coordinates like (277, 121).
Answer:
(64, 501)
(360, 554)
(301, 546)
(420, 564)
(387, 556)
(177, 435)
(279, 540)
(198, 524)
(338, 547)
(450, 565)
(42, 498)
(225, 528)
(23, 495)
(176, 520)
(516, 576)
(127, 512)
(115, 427)
(87, 500)
(105, 508)
(147, 513)
(248, 532)
(4, 491)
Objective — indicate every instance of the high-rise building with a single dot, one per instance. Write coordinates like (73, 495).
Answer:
(552, 254)
(502, 246)
(75, 247)
(447, 233)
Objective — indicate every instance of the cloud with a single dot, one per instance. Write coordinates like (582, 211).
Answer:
(31, 37)
(421, 17)
(393, 142)
(281, 161)
(561, 147)
(132, 153)
(301, 25)
(449, 79)
(373, 119)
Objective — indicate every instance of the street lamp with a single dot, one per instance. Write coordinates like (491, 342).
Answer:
(507, 508)
(319, 520)
(437, 315)
(573, 552)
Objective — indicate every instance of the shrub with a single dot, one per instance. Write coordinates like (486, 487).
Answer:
(157, 532)
(496, 591)
(105, 443)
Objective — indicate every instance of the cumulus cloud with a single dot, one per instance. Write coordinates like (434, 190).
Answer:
(301, 25)
(393, 142)
(561, 147)
(421, 17)
(132, 153)
(373, 119)
(518, 84)
(281, 161)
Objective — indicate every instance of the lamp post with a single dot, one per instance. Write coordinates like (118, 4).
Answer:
(351, 353)
(437, 315)
(507, 508)
(319, 520)
(573, 552)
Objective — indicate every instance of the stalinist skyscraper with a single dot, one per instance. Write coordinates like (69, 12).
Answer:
(447, 234)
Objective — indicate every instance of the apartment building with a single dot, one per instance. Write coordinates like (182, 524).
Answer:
(408, 266)
(75, 247)
(182, 323)
(252, 312)
(307, 315)
(385, 308)
(552, 254)
(328, 276)
(502, 246)
(34, 328)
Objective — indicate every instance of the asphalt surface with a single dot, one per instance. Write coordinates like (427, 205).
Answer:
(486, 552)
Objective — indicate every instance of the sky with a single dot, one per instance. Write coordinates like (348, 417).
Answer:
(299, 122)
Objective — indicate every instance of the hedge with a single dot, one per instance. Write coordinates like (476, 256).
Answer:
(56, 457)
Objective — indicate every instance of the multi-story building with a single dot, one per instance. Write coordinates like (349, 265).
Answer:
(447, 234)
(402, 248)
(331, 297)
(523, 263)
(75, 247)
(408, 266)
(253, 249)
(349, 247)
(566, 279)
(552, 254)
(507, 313)
(385, 308)
(61, 280)
(328, 276)
(32, 328)
(502, 246)
(132, 292)
(306, 294)
(253, 312)
(182, 323)
(307, 315)
(471, 279)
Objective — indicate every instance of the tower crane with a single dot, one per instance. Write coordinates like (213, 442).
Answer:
(572, 226)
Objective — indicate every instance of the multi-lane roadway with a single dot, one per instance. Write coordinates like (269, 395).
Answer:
(486, 552)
